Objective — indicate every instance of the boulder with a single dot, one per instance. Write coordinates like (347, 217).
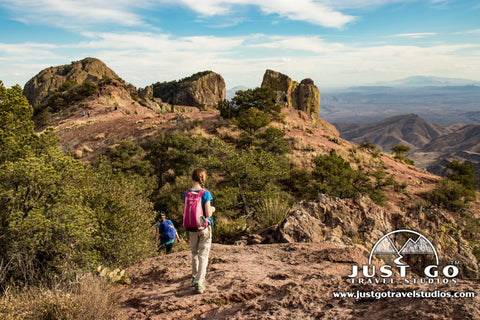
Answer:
(203, 89)
(39, 88)
(303, 96)
(146, 93)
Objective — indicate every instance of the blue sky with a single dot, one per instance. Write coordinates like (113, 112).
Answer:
(334, 42)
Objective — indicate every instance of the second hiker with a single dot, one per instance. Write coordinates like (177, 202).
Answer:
(166, 233)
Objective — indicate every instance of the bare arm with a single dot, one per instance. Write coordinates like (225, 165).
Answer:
(157, 233)
(209, 209)
(176, 234)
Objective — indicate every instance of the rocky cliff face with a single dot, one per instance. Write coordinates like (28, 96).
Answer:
(146, 93)
(348, 222)
(303, 96)
(203, 89)
(48, 80)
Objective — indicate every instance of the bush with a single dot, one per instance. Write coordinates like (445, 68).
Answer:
(227, 230)
(370, 147)
(272, 211)
(57, 215)
(457, 189)
(448, 194)
(463, 173)
(334, 176)
(251, 120)
(273, 140)
(400, 149)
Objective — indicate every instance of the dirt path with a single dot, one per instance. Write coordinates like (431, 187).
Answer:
(277, 281)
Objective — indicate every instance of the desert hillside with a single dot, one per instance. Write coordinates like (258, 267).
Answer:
(431, 146)
(298, 206)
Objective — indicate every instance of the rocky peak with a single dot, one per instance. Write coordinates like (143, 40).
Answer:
(203, 89)
(303, 96)
(49, 80)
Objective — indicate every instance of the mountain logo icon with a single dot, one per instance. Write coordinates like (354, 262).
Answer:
(394, 243)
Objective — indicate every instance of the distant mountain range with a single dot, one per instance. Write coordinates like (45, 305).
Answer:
(410, 130)
(431, 145)
(231, 92)
(426, 81)
(439, 100)
(444, 101)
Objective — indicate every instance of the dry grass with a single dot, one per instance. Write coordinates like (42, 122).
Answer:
(100, 136)
(230, 133)
(90, 298)
(298, 143)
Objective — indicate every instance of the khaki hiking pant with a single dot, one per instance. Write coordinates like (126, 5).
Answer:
(200, 243)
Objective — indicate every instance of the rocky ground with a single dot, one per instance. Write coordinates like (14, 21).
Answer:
(278, 281)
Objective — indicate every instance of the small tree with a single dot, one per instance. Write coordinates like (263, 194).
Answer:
(16, 125)
(400, 150)
(251, 120)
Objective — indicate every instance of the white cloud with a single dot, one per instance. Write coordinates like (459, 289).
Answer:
(75, 14)
(416, 35)
(243, 60)
(145, 58)
(474, 31)
(20, 62)
(300, 10)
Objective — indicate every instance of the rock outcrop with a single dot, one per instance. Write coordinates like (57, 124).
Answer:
(203, 89)
(146, 93)
(38, 89)
(348, 222)
(303, 96)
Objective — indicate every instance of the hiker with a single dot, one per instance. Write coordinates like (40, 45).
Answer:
(166, 232)
(197, 220)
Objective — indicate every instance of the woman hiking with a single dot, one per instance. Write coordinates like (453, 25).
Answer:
(196, 219)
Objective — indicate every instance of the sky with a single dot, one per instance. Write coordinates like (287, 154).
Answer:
(337, 43)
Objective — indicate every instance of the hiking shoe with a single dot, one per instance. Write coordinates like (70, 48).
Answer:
(199, 288)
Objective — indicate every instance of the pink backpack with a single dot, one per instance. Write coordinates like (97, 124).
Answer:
(193, 218)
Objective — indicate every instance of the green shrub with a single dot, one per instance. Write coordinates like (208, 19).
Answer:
(228, 231)
(251, 120)
(448, 194)
(272, 140)
(400, 149)
(272, 211)
(67, 94)
(56, 214)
